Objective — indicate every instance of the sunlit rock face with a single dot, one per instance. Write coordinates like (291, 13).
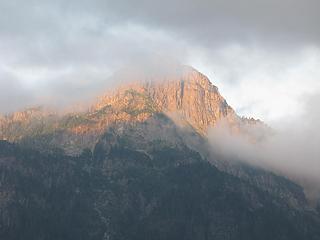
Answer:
(184, 94)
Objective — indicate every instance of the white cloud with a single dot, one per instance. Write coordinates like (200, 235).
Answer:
(292, 150)
(265, 84)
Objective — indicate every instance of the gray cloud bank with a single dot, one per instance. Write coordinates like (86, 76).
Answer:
(62, 50)
(292, 150)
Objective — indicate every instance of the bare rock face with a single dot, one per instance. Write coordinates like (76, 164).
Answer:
(31, 121)
(184, 94)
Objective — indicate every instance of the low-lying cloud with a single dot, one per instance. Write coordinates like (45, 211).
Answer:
(291, 150)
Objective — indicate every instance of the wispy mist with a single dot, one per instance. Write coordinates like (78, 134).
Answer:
(291, 149)
(60, 52)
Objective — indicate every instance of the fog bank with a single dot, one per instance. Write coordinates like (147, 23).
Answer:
(292, 149)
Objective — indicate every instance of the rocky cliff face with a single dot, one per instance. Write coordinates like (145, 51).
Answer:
(185, 95)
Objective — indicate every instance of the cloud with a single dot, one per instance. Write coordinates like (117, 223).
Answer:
(207, 21)
(61, 48)
(12, 92)
(293, 149)
(269, 85)
(204, 21)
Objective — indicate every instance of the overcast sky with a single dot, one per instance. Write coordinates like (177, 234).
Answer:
(264, 55)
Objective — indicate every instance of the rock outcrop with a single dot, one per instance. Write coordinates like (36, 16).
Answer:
(185, 95)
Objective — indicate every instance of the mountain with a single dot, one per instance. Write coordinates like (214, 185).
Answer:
(184, 94)
(137, 165)
(164, 191)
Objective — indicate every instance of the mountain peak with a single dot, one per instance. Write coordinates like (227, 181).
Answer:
(181, 93)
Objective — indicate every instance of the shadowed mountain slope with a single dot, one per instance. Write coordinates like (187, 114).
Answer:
(139, 186)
